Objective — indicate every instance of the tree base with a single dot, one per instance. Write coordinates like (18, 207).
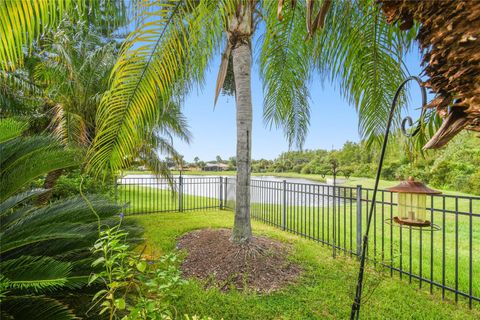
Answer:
(260, 264)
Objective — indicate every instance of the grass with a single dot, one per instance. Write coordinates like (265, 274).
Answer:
(325, 290)
(412, 251)
(143, 199)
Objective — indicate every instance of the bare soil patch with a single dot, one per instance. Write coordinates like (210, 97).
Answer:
(261, 266)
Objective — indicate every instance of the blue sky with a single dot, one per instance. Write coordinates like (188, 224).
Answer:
(333, 121)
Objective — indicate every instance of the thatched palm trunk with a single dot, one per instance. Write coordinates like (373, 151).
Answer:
(450, 45)
(242, 230)
(50, 182)
(240, 29)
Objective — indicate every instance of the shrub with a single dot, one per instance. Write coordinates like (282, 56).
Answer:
(69, 185)
(461, 183)
(440, 173)
(135, 288)
(307, 169)
(298, 168)
(389, 170)
(474, 183)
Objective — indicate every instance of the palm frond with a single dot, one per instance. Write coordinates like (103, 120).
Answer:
(286, 63)
(24, 159)
(222, 71)
(37, 274)
(17, 199)
(11, 128)
(36, 307)
(18, 94)
(362, 54)
(23, 22)
(69, 127)
(70, 220)
(159, 61)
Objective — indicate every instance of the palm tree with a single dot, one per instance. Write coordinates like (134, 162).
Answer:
(167, 55)
(45, 251)
(71, 74)
(35, 18)
(175, 41)
(73, 71)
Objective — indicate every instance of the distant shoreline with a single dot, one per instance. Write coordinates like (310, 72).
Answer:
(351, 181)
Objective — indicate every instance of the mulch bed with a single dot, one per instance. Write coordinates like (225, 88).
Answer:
(261, 266)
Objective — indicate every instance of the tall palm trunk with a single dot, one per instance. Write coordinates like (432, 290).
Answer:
(240, 32)
(242, 230)
(50, 182)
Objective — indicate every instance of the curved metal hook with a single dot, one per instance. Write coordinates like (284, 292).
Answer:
(408, 120)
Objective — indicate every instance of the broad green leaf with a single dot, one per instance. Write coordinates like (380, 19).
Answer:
(141, 266)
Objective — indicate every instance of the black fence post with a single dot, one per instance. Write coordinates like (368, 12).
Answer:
(359, 220)
(284, 207)
(220, 193)
(225, 191)
(115, 184)
(180, 194)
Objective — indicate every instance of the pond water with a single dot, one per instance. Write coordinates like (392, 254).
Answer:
(264, 189)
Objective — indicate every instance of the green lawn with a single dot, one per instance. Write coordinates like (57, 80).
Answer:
(144, 199)
(409, 250)
(412, 251)
(324, 291)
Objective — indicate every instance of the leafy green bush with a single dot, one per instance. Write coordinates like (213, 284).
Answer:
(297, 168)
(307, 169)
(134, 287)
(389, 171)
(69, 185)
(474, 183)
(45, 252)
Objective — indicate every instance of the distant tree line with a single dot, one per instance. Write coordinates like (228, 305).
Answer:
(455, 167)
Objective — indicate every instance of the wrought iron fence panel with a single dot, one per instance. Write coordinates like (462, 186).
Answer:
(447, 259)
(150, 194)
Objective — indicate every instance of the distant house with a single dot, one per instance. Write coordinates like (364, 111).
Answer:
(216, 167)
(185, 167)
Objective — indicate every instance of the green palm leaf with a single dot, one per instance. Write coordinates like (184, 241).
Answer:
(17, 92)
(159, 60)
(70, 221)
(23, 22)
(35, 307)
(35, 273)
(24, 159)
(18, 199)
(286, 63)
(362, 53)
(10, 128)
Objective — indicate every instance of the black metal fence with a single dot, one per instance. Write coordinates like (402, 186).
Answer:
(148, 194)
(447, 259)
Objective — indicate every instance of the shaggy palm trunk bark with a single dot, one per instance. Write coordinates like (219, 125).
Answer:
(242, 62)
(50, 182)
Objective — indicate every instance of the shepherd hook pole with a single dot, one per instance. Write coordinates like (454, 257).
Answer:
(355, 313)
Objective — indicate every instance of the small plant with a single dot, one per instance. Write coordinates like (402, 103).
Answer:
(135, 288)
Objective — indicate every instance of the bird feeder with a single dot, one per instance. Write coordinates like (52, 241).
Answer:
(412, 203)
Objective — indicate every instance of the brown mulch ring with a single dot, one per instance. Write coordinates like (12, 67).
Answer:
(262, 266)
